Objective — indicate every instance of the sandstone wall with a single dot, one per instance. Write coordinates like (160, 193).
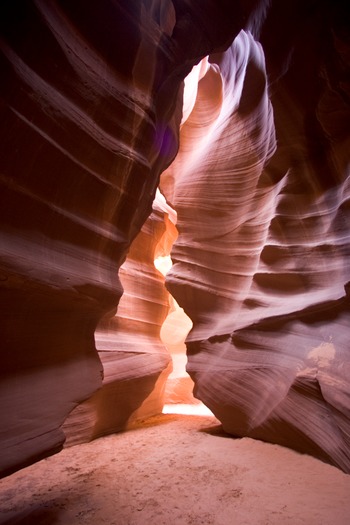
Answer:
(262, 190)
(91, 108)
(91, 98)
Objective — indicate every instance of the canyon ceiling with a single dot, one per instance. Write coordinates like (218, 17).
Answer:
(108, 158)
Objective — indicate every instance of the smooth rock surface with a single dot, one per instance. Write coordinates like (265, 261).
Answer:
(91, 102)
(135, 361)
(91, 108)
(261, 186)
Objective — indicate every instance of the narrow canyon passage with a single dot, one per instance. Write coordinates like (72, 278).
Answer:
(175, 328)
(176, 470)
(217, 130)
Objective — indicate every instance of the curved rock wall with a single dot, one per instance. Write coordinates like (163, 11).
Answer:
(261, 186)
(135, 362)
(91, 106)
(91, 98)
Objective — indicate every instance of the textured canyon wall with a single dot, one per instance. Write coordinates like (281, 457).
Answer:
(91, 107)
(136, 363)
(261, 186)
(91, 98)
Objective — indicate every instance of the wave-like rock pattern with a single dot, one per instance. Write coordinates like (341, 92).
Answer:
(261, 186)
(135, 362)
(90, 116)
(91, 98)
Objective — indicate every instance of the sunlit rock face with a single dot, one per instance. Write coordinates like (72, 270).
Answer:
(261, 187)
(179, 385)
(91, 103)
(173, 333)
(136, 363)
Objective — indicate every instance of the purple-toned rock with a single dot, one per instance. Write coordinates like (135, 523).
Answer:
(91, 98)
(262, 190)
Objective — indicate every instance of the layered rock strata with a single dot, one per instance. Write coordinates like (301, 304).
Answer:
(91, 98)
(261, 186)
(91, 106)
(135, 361)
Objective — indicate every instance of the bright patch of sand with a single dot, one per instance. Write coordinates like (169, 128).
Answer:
(176, 470)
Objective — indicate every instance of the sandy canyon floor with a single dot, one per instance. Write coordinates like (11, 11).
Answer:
(181, 470)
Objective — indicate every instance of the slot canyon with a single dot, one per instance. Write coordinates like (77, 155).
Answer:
(212, 133)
